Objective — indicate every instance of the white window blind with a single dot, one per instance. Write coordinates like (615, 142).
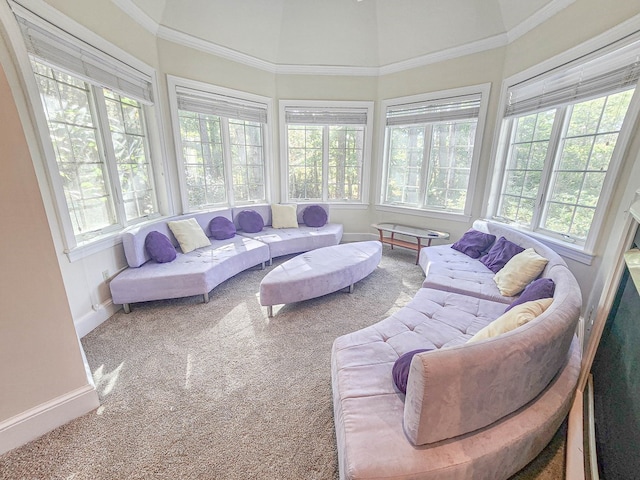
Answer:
(608, 73)
(320, 116)
(66, 52)
(214, 104)
(431, 111)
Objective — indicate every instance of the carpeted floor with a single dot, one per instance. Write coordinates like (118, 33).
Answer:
(220, 391)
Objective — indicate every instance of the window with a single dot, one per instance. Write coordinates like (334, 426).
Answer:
(327, 150)
(222, 146)
(561, 136)
(95, 113)
(430, 156)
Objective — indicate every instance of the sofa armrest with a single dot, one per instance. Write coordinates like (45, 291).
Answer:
(457, 390)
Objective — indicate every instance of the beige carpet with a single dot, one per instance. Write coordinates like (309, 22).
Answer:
(219, 391)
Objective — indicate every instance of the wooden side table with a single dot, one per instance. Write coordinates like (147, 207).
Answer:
(418, 233)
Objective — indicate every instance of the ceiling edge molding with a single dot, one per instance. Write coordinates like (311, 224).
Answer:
(196, 43)
(138, 15)
(538, 18)
(478, 46)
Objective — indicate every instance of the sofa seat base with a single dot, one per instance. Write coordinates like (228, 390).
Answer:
(286, 241)
(193, 273)
(453, 271)
(492, 453)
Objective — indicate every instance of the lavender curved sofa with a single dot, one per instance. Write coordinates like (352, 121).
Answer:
(199, 271)
(472, 411)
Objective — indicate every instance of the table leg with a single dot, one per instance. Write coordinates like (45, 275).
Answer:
(419, 247)
(392, 234)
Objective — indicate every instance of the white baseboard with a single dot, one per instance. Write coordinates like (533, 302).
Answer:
(359, 237)
(34, 423)
(96, 316)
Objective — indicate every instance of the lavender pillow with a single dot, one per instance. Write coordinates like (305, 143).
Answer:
(474, 243)
(314, 216)
(250, 221)
(159, 247)
(400, 370)
(500, 254)
(536, 290)
(222, 228)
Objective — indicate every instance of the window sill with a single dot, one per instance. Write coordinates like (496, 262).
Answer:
(571, 251)
(453, 216)
(93, 246)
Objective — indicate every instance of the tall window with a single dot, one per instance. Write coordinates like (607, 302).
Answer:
(326, 148)
(222, 147)
(561, 136)
(430, 153)
(96, 124)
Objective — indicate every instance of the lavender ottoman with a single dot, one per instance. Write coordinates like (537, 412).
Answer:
(319, 272)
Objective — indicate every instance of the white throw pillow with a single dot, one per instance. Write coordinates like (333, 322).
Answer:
(189, 234)
(512, 319)
(521, 270)
(284, 216)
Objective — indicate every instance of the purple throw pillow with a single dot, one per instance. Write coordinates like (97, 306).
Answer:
(536, 290)
(314, 216)
(400, 370)
(474, 243)
(500, 254)
(222, 228)
(250, 221)
(159, 247)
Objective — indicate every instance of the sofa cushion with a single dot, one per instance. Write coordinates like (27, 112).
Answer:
(400, 370)
(514, 318)
(222, 228)
(519, 272)
(284, 216)
(159, 247)
(314, 216)
(189, 234)
(250, 221)
(474, 243)
(501, 252)
(536, 290)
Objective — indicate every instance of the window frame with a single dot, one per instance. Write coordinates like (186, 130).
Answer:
(366, 106)
(174, 83)
(583, 252)
(56, 23)
(483, 90)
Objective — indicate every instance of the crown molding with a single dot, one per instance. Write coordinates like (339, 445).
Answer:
(539, 17)
(187, 40)
(138, 15)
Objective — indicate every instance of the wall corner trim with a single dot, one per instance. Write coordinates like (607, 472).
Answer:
(37, 421)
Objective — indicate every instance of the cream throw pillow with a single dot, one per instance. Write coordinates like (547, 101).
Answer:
(512, 319)
(189, 234)
(519, 272)
(284, 216)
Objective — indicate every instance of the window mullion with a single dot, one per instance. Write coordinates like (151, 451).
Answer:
(546, 182)
(426, 171)
(106, 149)
(226, 158)
(325, 163)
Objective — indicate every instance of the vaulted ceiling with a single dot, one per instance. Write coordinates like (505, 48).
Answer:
(364, 33)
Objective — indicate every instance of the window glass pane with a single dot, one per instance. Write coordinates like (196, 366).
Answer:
(203, 159)
(74, 135)
(305, 161)
(450, 164)
(524, 167)
(346, 149)
(585, 151)
(130, 147)
(405, 164)
(247, 159)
